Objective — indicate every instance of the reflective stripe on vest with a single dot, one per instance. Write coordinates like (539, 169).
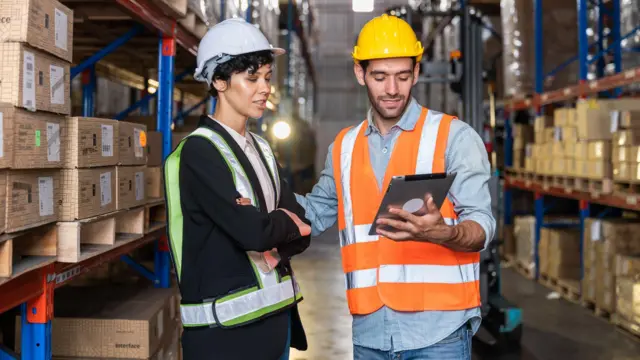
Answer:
(272, 294)
(271, 162)
(408, 275)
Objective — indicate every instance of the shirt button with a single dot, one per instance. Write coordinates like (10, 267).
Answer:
(384, 150)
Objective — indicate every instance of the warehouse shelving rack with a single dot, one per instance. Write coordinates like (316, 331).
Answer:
(581, 90)
(122, 59)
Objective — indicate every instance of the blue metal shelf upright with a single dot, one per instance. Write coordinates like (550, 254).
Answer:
(581, 90)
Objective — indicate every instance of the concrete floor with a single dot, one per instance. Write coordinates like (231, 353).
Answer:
(554, 329)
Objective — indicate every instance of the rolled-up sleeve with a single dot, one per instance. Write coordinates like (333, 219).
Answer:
(467, 156)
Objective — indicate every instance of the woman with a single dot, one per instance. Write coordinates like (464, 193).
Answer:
(233, 223)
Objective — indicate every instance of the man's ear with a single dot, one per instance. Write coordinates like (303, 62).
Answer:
(359, 72)
(416, 73)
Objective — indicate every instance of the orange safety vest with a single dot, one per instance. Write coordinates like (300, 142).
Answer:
(403, 275)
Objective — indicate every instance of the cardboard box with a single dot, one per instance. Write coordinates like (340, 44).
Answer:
(92, 142)
(569, 134)
(131, 187)
(3, 199)
(44, 24)
(87, 192)
(581, 150)
(630, 119)
(33, 197)
(542, 122)
(624, 171)
(599, 150)
(629, 154)
(34, 80)
(564, 254)
(592, 123)
(628, 265)
(154, 183)
(30, 140)
(628, 299)
(559, 166)
(630, 137)
(132, 140)
(123, 322)
(599, 169)
(154, 148)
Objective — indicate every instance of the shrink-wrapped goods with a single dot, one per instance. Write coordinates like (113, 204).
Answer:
(518, 29)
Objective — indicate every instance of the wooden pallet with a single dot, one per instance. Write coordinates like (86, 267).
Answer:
(568, 289)
(595, 187)
(565, 182)
(83, 239)
(155, 215)
(625, 325)
(630, 191)
(24, 251)
(525, 269)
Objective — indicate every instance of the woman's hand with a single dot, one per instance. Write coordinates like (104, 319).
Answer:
(302, 227)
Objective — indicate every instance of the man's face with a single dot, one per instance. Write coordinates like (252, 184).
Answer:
(389, 83)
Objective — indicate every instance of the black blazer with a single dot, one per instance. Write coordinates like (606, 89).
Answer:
(217, 234)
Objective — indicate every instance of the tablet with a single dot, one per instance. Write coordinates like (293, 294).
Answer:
(408, 192)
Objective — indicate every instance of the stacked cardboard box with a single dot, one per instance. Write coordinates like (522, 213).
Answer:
(115, 322)
(132, 165)
(541, 150)
(89, 177)
(626, 152)
(628, 289)
(604, 241)
(561, 252)
(154, 177)
(522, 140)
(35, 57)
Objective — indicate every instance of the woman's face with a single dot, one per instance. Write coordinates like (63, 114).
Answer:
(248, 91)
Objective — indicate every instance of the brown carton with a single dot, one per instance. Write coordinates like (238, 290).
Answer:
(155, 183)
(123, 322)
(592, 123)
(628, 265)
(131, 187)
(30, 140)
(34, 80)
(542, 122)
(132, 140)
(599, 169)
(629, 137)
(33, 197)
(599, 150)
(3, 199)
(154, 148)
(87, 192)
(628, 299)
(43, 24)
(92, 142)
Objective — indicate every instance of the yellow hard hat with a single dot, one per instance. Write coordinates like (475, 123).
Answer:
(387, 37)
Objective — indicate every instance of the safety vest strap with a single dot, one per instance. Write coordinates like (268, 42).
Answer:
(271, 162)
(241, 307)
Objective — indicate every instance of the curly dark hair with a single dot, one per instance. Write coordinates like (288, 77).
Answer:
(241, 63)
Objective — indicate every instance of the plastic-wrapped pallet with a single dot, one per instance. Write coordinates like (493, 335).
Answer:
(629, 20)
(518, 28)
(207, 10)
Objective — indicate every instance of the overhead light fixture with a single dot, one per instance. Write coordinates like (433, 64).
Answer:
(362, 5)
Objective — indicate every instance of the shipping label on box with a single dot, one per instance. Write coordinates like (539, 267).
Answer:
(30, 140)
(33, 79)
(92, 142)
(87, 192)
(131, 187)
(44, 24)
(132, 143)
(33, 197)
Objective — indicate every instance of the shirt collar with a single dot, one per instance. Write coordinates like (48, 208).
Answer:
(407, 122)
(241, 140)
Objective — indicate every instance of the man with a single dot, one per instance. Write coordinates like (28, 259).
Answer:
(234, 223)
(414, 292)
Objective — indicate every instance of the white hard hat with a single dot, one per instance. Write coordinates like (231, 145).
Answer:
(229, 38)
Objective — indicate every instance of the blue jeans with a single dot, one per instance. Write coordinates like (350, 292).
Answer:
(285, 355)
(456, 346)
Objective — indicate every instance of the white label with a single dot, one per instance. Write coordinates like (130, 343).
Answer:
(53, 142)
(45, 188)
(615, 116)
(139, 186)
(558, 133)
(61, 30)
(29, 82)
(596, 230)
(137, 147)
(56, 77)
(105, 189)
(107, 140)
(1, 135)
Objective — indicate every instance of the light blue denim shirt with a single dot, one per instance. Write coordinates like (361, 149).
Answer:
(387, 329)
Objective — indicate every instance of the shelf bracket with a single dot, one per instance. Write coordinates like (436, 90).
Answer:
(139, 268)
(36, 315)
(92, 60)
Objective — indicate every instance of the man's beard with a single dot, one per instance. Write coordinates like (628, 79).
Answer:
(380, 111)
